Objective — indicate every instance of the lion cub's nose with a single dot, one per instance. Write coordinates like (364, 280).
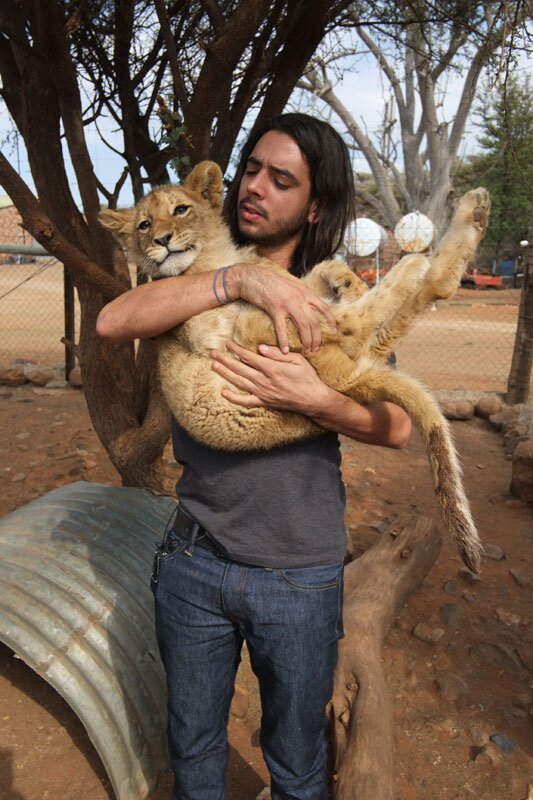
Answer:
(164, 239)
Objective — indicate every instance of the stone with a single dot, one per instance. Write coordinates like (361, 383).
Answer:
(522, 471)
(468, 575)
(450, 587)
(507, 617)
(487, 406)
(74, 377)
(89, 464)
(428, 633)
(13, 376)
(503, 742)
(452, 615)
(39, 375)
(20, 476)
(470, 597)
(502, 418)
(523, 700)
(57, 383)
(493, 551)
(451, 687)
(478, 734)
(457, 409)
(512, 443)
(491, 754)
(500, 656)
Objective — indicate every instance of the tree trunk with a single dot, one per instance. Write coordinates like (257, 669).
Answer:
(376, 586)
(519, 383)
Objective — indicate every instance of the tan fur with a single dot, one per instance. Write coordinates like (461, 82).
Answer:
(184, 233)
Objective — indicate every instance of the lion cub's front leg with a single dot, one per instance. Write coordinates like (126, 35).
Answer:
(334, 280)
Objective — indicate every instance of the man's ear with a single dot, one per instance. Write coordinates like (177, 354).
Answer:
(313, 215)
(121, 223)
(206, 180)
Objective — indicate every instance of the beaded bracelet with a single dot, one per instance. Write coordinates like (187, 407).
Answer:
(224, 271)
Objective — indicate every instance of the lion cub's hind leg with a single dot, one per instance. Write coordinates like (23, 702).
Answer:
(458, 246)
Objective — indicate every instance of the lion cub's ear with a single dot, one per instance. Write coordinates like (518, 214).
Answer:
(121, 223)
(206, 179)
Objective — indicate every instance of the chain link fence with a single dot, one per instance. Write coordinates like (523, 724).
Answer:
(464, 343)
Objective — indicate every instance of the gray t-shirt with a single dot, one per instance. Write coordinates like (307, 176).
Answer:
(277, 508)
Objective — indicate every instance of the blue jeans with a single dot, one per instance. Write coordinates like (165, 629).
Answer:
(291, 620)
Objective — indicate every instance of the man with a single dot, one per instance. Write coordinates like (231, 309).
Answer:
(257, 549)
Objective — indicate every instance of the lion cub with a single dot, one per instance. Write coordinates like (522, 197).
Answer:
(178, 229)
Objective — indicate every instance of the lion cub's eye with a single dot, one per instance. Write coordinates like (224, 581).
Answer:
(179, 210)
(144, 225)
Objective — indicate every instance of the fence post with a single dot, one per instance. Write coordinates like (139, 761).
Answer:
(70, 358)
(519, 382)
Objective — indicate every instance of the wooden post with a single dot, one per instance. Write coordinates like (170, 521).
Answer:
(376, 587)
(69, 307)
(519, 382)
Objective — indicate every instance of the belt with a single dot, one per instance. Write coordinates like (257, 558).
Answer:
(187, 528)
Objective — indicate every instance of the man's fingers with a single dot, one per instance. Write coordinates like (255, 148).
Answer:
(246, 400)
(235, 378)
(325, 310)
(280, 324)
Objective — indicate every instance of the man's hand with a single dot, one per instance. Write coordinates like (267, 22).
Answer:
(271, 379)
(282, 299)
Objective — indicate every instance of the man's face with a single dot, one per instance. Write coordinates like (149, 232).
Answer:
(274, 201)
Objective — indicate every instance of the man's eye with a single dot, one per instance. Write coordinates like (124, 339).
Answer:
(281, 185)
(144, 225)
(179, 210)
(250, 172)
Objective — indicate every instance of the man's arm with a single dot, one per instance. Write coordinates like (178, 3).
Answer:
(275, 380)
(156, 307)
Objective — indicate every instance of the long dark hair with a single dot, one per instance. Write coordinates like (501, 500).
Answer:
(332, 186)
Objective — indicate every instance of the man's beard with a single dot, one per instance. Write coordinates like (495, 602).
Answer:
(284, 229)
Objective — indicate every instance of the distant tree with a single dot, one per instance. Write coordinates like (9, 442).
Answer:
(428, 45)
(505, 167)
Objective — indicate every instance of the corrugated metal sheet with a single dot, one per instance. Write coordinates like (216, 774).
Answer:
(76, 606)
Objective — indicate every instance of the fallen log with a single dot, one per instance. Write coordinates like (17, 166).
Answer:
(377, 584)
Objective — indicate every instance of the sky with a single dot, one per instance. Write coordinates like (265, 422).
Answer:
(361, 90)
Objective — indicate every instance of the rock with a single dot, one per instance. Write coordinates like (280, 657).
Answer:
(487, 406)
(470, 597)
(74, 377)
(468, 576)
(457, 409)
(504, 417)
(522, 471)
(20, 476)
(452, 615)
(450, 587)
(526, 581)
(22, 435)
(493, 551)
(88, 464)
(427, 633)
(503, 742)
(512, 443)
(240, 702)
(491, 754)
(507, 617)
(513, 716)
(13, 376)
(39, 375)
(500, 656)
(451, 687)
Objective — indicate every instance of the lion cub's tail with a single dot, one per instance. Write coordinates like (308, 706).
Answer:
(378, 384)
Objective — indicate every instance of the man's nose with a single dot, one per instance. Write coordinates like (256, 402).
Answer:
(255, 184)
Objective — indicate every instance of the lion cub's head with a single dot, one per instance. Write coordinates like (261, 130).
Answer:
(167, 229)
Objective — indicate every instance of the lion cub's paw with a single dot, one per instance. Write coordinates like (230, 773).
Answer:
(473, 209)
(345, 285)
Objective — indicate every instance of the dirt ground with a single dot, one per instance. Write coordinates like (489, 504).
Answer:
(448, 698)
